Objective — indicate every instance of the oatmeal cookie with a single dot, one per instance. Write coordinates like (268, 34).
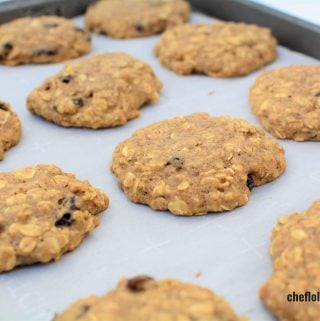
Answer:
(40, 40)
(295, 249)
(44, 214)
(196, 164)
(223, 49)
(10, 128)
(287, 102)
(105, 90)
(169, 300)
(136, 18)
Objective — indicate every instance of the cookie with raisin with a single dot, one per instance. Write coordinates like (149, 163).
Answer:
(193, 165)
(105, 90)
(44, 214)
(41, 40)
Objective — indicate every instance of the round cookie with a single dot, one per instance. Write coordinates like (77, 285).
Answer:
(295, 250)
(44, 214)
(105, 90)
(223, 49)
(287, 101)
(40, 40)
(136, 18)
(196, 164)
(169, 300)
(10, 128)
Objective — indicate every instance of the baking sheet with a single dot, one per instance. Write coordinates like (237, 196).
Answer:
(230, 249)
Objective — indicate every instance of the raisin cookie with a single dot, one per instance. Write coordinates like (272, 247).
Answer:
(287, 101)
(44, 214)
(10, 128)
(196, 164)
(105, 90)
(136, 18)
(295, 249)
(223, 49)
(39, 40)
(169, 300)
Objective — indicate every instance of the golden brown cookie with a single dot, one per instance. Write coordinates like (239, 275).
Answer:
(105, 90)
(287, 101)
(295, 249)
(192, 165)
(223, 49)
(144, 299)
(10, 128)
(39, 40)
(136, 18)
(44, 214)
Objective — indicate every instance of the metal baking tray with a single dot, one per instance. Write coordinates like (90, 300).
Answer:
(293, 33)
(19, 8)
(229, 249)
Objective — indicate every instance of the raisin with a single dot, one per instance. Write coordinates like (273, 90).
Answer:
(7, 46)
(83, 310)
(250, 182)
(176, 162)
(65, 220)
(137, 284)
(3, 106)
(139, 27)
(47, 52)
(66, 79)
(317, 94)
(78, 101)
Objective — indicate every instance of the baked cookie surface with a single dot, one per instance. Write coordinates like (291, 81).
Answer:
(44, 214)
(295, 249)
(192, 165)
(144, 299)
(136, 18)
(105, 90)
(287, 101)
(10, 128)
(222, 49)
(40, 40)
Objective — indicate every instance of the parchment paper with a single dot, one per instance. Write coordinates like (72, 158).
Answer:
(230, 249)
